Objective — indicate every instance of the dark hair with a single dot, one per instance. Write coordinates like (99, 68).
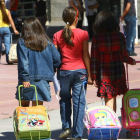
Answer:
(4, 13)
(34, 35)
(69, 15)
(105, 22)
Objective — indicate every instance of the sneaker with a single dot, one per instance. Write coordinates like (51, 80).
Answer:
(132, 54)
(75, 138)
(65, 134)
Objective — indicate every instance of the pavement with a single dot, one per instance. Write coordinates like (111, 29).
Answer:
(8, 103)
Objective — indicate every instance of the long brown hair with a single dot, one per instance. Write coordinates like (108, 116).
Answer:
(105, 22)
(3, 10)
(34, 35)
(69, 15)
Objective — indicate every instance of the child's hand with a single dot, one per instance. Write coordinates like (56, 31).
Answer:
(95, 82)
(26, 84)
(134, 62)
(90, 82)
(16, 32)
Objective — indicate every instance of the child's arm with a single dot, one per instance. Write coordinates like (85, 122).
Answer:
(56, 56)
(127, 59)
(86, 59)
(23, 63)
(94, 60)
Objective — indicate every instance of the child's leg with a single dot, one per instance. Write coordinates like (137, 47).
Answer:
(25, 103)
(111, 102)
(39, 103)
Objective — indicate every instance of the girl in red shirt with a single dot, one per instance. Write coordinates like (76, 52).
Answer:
(75, 69)
(108, 52)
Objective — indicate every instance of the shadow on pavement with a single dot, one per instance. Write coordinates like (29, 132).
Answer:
(7, 136)
(55, 135)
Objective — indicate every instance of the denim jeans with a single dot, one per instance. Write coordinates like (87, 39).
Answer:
(130, 21)
(72, 80)
(14, 15)
(5, 34)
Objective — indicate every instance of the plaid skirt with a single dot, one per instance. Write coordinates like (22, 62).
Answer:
(112, 89)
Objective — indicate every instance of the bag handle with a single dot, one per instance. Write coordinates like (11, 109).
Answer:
(20, 97)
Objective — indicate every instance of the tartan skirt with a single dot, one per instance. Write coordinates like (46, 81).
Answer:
(112, 89)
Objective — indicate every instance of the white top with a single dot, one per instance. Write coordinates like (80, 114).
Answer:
(75, 2)
(7, 4)
(90, 12)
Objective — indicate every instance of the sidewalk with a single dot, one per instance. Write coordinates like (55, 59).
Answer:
(8, 83)
(6, 127)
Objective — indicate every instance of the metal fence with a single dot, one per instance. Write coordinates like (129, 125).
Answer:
(26, 8)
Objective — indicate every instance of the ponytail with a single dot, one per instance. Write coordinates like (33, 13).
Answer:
(4, 13)
(67, 35)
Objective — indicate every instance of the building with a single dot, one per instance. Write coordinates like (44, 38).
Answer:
(56, 7)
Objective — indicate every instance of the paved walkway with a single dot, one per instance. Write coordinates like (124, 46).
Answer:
(8, 83)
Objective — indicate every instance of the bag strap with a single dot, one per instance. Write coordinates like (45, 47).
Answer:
(20, 97)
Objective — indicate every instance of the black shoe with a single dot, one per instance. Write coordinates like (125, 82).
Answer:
(3, 52)
(66, 133)
(132, 54)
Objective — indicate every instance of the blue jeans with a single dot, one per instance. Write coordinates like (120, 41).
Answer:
(6, 35)
(14, 15)
(130, 21)
(72, 80)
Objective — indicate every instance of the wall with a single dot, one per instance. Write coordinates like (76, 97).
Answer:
(57, 7)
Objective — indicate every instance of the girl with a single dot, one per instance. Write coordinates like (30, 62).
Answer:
(108, 52)
(5, 19)
(75, 69)
(37, 58)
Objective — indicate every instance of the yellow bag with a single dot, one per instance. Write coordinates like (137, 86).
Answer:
(31, 122)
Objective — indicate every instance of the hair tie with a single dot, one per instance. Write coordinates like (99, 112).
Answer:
(68, 23)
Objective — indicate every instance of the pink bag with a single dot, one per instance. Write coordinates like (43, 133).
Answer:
(101, 117)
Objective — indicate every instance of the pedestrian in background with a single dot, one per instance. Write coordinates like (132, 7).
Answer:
(91, 13)
(40, 8)
(108, 53)
(13, 9)
(79, 5)
(129, 16)
(7, 4)
(74, 70)
(5, 34)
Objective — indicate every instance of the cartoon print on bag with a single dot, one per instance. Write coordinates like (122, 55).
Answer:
(102, 119)
(133, 103)
(22, 111)
(35, 122)
(134, 115)
(23, 120)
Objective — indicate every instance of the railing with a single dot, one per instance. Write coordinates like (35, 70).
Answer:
(24, 11)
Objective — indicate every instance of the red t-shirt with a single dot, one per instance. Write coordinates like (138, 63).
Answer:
(72, 57)
(14, 7)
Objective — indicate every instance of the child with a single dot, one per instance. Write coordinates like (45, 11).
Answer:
(5, 34)
(75, 69)
(37, 58)
(108, 52)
